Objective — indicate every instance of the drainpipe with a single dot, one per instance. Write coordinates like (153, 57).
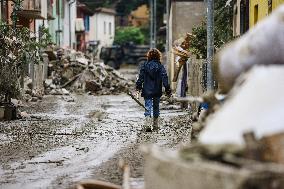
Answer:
(210, 43)
(167, 30)
(69, 9)
(58, 22)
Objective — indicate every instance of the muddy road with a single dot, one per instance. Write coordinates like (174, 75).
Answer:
(70, 138)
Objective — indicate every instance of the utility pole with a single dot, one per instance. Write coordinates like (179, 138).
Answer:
(155, 24)
(151, 23)
(210, 43)
(167, 30)
(153, 28)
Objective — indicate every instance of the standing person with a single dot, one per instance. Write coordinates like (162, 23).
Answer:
(152, 77)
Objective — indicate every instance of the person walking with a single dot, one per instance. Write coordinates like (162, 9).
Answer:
(152, 77)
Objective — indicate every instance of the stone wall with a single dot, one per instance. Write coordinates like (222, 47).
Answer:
(195, 75)
(38, 73)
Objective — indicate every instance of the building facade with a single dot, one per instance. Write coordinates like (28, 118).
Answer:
(139, 17)
(102, 26)
(82, 26)
(62, 22)
(184, 15)
(259, 9)
(248, 12)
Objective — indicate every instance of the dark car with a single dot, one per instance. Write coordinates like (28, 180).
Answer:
(114, 56)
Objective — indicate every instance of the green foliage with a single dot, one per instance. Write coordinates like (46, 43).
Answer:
(145, 31)
(125, 35)
(198, 43)
(17, 49)
(223, 29)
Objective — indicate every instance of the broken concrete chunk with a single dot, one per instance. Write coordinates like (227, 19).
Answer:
(256, 105)
(272, 148)
(56, 92)
(48, 82)
(68, 98)
(28, 83)
(25, 115)
(34, 99)
(93, 86)
(65, 92)
(52, 86)
(166, 170)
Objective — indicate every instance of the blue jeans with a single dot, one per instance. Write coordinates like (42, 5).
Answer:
(152, 104)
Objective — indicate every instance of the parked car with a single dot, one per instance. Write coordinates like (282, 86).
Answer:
(114, 56)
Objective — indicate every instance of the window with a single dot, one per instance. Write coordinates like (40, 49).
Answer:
(87, 23)
(4, 11)
(269, 6)
(109, 28)
(104, 27)
(255, 14)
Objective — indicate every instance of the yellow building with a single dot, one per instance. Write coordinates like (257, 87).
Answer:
(139, 17)
(259, 9)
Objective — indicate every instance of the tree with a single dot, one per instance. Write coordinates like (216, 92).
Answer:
(223, 29)
(124, 35)
(17, 49)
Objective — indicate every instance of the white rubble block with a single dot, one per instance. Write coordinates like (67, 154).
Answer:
(256, 105)
(25, 115)
(52, 86)
(166, 170)
(263, 44)
(82, 60)
(56, 92)
(48, 82)
(65, 92)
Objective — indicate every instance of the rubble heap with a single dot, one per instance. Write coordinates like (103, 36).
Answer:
(98, 79)
(75, 73)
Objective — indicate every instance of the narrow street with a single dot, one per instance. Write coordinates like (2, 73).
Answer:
(65, 142)
(211, 73)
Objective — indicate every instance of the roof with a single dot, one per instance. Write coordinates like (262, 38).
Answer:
(105, 10)
(84, 8)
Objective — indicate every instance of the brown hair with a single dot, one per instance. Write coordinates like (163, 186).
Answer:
(154, 54)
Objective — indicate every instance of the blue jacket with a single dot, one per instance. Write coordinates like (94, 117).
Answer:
(151, 78)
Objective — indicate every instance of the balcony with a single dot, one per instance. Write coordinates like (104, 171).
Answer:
(49, 10)
(33, 9)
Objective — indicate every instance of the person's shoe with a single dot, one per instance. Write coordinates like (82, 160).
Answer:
(156, 123)
(147, 124)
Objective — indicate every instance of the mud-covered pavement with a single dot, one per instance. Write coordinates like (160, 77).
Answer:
(65, 142)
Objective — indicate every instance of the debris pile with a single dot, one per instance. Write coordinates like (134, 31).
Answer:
(30, 94)
(98, 79)
(52, 89)
(75, 72)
